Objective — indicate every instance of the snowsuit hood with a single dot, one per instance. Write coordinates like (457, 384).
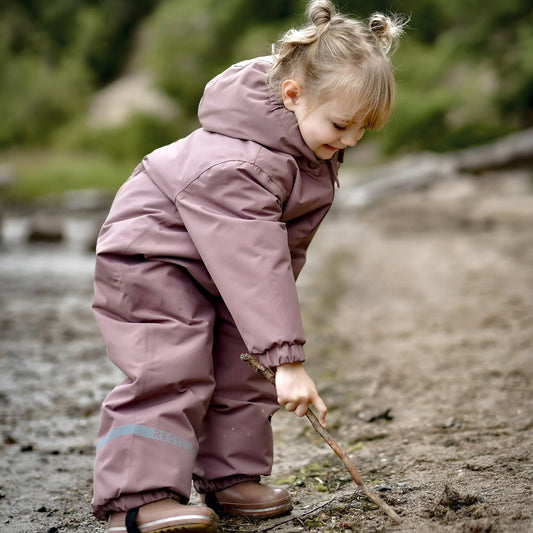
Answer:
(238, 103)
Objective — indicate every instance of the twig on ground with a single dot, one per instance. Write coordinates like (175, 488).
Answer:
(280, 521)
(300, 516)
(369, 493)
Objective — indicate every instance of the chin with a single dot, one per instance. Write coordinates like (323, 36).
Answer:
(325, 153)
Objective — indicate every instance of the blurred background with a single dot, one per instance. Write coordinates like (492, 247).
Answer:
(417, 303)
(88, 87)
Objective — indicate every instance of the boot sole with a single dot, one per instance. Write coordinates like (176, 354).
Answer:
(268, 512)
(206, 527)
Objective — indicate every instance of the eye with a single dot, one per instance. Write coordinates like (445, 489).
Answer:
(339, 127)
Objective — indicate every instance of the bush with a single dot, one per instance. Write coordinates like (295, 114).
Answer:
(40, 173)
(35, 98)
(464, 76)
(129, 142)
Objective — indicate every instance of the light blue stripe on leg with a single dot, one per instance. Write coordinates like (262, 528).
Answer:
(148, 433)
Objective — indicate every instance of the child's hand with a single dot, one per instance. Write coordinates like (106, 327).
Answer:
(297, 391)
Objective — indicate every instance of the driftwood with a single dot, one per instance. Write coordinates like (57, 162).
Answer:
(421, 170)
(513, 151)
(369, 493)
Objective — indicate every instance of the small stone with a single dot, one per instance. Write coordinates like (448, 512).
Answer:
(453, 499)
(45, 228)
(9, 439)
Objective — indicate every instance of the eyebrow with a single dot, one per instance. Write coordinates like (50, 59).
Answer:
(347, 122)
(342, 119)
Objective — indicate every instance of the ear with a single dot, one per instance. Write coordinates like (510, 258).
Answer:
(291, 93)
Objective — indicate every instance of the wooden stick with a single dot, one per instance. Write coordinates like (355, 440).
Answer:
(369, 493)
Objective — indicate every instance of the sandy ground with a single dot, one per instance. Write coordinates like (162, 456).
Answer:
(419, 315)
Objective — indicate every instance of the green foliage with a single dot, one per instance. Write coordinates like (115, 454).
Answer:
(444, 101)
(35, 98)
(53, 56)
(39, 173)
(129, 142)
(464, 69)
(180, 38)
(516, 95)
(426, 17)
(189, 43)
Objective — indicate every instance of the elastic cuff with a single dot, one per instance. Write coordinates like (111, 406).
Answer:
(203, 486)
(282, 354)
(129, 501)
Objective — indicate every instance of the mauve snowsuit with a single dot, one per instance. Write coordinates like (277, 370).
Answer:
(196, 264)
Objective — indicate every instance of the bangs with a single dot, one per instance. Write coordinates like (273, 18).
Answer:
(371, 88)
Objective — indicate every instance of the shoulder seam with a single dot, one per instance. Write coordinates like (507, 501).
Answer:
(226, 161)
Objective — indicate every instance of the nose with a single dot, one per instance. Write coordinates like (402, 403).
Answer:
(352, 135)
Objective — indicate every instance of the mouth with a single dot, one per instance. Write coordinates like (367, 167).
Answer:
(332, 148)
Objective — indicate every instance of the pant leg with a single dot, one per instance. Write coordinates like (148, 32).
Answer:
(158, 328)
(236, 437)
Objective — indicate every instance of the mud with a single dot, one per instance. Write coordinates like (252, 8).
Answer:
(419, 315)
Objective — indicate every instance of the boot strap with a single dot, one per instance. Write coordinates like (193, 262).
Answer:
(212, 502)
(131, 525)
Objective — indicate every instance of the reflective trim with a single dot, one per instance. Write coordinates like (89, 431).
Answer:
(148, 433)
(192, 519)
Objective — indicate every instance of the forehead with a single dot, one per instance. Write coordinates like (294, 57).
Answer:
(340, 108)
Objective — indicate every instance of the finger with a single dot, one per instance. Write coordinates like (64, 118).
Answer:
(302, 409)
(284, 400)
(291, 406)
(321, 410)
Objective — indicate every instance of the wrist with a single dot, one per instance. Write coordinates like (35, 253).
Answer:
(289, 366)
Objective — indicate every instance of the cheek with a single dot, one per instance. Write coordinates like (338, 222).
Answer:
(332, 133)
(311, 132)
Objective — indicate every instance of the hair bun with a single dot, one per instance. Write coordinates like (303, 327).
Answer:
(379, 24)
(386, 29)
(320, 12)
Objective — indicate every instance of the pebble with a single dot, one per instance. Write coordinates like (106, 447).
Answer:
(45, 228)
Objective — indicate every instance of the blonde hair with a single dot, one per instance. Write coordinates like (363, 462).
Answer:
(335, 55)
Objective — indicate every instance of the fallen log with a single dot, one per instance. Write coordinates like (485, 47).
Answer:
(408, 174)
(512, 151)
(421, 170)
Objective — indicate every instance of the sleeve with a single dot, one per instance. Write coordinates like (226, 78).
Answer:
(232, 213)
(299, 254)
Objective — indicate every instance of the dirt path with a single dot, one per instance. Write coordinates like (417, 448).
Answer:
(419, 316)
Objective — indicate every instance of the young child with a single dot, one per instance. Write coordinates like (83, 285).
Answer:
(196, 264)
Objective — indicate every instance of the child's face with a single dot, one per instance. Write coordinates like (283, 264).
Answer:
(326, 127)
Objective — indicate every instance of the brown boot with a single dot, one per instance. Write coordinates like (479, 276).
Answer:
(164, 516)
(251, 499)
